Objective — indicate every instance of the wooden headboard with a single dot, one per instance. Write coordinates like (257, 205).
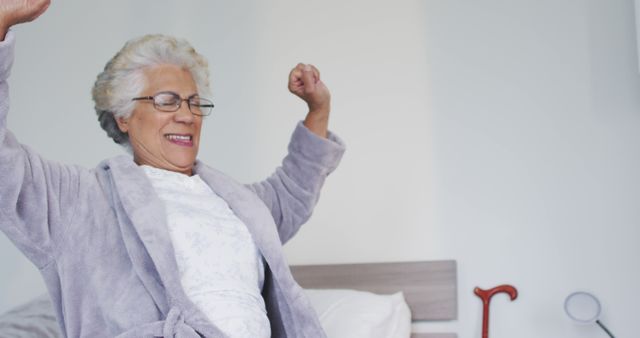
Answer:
(430, 287)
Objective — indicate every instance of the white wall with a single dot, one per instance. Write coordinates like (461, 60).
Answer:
(502, 134)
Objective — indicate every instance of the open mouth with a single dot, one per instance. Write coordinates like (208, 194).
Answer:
(180, 139)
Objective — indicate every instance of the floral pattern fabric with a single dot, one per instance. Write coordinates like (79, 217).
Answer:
(221, 269)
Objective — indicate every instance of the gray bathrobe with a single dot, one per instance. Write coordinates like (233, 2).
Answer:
(99, 237)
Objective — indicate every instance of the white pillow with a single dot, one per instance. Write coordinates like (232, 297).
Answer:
(360, 314)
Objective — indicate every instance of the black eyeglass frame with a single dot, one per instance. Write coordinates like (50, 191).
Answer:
(174, 108)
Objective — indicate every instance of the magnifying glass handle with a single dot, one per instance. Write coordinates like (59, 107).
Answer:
(604, 328)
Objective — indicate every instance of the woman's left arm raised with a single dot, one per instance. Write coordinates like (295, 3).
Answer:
(292, 191)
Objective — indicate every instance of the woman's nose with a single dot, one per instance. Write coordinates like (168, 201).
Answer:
(183, 114)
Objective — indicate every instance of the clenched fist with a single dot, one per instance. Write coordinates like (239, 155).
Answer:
(13, 12)
(304, 82)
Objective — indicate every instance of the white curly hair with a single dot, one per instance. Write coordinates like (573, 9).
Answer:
(123, 79)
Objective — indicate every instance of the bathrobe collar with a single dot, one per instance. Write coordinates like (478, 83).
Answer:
(146, 213)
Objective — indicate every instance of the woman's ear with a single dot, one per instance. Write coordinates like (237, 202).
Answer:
(123, 124)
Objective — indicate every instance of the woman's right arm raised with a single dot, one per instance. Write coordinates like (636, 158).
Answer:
(37, 197)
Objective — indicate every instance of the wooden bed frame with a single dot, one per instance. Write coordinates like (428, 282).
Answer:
(430, 287)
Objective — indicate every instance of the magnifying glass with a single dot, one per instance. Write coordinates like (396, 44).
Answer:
(584, 308)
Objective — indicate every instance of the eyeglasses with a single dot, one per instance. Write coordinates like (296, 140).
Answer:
(170, 102)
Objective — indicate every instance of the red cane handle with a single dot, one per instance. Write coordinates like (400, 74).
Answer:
(486, 296)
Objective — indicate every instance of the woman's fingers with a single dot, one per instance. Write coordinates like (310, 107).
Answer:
(303, 78)
(304, 82)
(295, 78)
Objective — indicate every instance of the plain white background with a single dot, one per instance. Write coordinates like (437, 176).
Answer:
(502, 134)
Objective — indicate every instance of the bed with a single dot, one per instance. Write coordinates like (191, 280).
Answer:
(429, 289)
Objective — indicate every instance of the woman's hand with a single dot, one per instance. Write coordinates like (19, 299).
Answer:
(13, 12)
(304, 82)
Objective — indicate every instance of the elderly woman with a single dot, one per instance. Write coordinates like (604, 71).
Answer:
(159, 244)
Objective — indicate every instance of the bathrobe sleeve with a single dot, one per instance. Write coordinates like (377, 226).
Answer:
(293, 190)
(37, 197)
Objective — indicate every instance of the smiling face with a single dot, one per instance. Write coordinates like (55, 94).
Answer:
(160, 139)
